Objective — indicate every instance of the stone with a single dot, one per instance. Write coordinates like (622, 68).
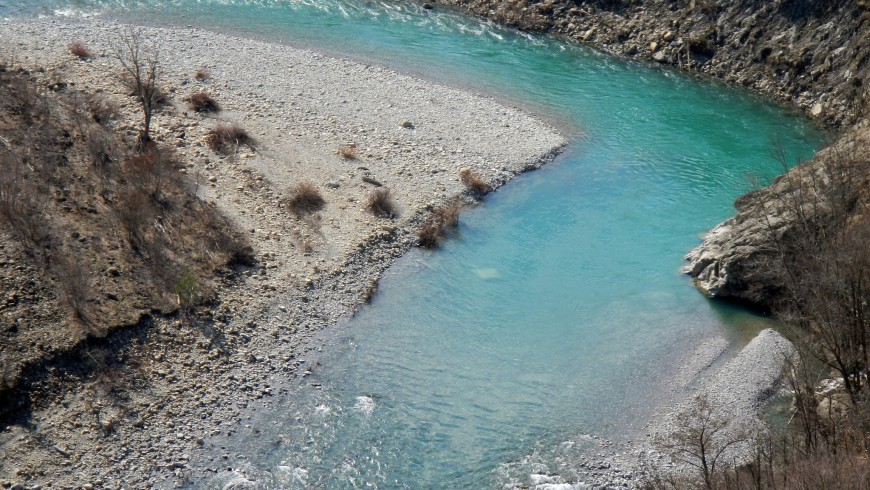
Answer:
(817, 109)
(660, 56)
(653, 46)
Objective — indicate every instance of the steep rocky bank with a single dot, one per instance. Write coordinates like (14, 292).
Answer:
(794, 243)
(811, 54)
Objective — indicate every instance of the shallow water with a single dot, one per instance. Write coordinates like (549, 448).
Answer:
(559, 310)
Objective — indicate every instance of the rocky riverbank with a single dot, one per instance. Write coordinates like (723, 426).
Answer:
(810, 55)
(185, 381)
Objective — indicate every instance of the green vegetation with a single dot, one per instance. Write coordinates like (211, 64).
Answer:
(187, 290)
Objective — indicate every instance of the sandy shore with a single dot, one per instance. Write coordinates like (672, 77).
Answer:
(143, 424)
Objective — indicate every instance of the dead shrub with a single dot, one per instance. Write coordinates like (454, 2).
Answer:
(102, 148)
(80, 50)
(135, 211)
(151, 170)
(474, 182)
(202, 102)
(371, 291)
(430, 234)
(202, 74)
(74, 283)
(381, 204)
(305, 198)
(21, 204)
(347, 151)
(449, 214)
(24, 98)
(437, 225)
(24, 215)
(226, 139)
(102, 109)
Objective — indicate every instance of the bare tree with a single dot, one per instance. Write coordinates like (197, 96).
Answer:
(140, 70)
(818, 229)
(703, 435)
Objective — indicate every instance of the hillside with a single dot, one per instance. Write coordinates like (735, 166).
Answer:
(95, 236)
(150, 403)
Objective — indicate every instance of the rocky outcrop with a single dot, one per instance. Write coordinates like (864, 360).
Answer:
(748, 257)
(727, 264)
(810, 53)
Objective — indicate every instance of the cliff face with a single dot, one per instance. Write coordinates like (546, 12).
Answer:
(810, 53)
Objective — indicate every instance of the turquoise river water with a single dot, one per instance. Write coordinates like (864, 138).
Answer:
(559, 311)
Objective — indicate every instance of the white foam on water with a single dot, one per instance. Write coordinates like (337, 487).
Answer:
(365, 404)
(291, 475)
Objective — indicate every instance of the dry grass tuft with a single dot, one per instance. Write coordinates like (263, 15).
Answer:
(101, 109)
(435, 228)
(305, 198)
(474, 182)
(371, 291)
(202, 74)
(226, 140)
(381, 204)
(202, 102)
(347, 151)
(74, 282)
(80, 50)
